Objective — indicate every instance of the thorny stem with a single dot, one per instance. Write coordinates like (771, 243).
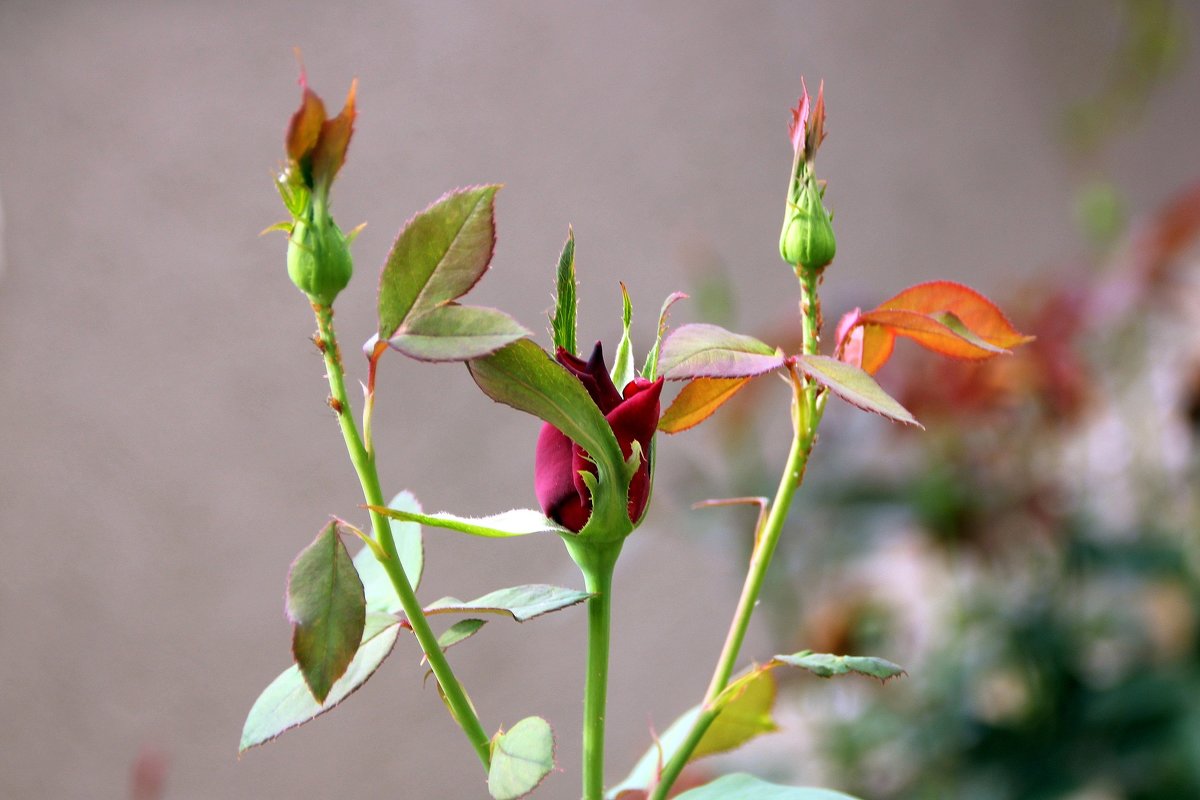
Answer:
(364, 463)
(808, 406)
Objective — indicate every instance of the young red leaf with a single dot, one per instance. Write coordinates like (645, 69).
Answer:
(978, 314)
(329, 153)
(697, 402)
(942, 333)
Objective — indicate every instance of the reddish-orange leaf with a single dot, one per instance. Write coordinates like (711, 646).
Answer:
(876, 347)
(978, 315)
(697, 402)
(305, 126)
(865, 346)
(330, 152)
(942, 333)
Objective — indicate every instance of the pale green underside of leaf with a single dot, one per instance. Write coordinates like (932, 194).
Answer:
(520, 602)
(741, 786)
(438, 256)
(517, 522)
(854, 386)
(710, 351)
(327, 607)
(287, 701)
(377, 586)
(746, 715)
(826, 665)
(459, 632)
(521, 759)
(456, 333)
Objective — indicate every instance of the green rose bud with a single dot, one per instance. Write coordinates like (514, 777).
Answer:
(807, 239)
(318, 257)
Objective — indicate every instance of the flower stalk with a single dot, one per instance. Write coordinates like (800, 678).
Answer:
(597, 561)
(364, 464)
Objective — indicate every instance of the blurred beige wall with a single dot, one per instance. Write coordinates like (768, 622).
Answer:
(166, 448)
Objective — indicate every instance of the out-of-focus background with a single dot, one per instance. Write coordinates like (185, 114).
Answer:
(1031, 558)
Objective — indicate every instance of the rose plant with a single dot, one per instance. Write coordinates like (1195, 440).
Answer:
(593, 461)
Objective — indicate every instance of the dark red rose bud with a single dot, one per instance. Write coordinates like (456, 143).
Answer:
(633, 415)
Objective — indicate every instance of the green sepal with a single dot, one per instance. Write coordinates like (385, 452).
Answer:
(622, 369)
(566, 303)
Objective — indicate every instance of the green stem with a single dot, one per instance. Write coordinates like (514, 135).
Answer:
(597, 561)
(364, 465)
(808, 408)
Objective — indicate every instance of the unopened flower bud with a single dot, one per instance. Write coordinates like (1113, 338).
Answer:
(807, 239)
(318, 257)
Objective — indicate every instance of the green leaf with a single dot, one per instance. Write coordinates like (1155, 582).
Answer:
(327, 608)
(854, 386)
(745, 713)
(524, 376)
(650, 368)
(708, 351)
(459, 632)
(747, 787)
(288, 703)
(826, 665)
(520, 602)
(518, 522)
(377, 585)
(566, 304)
(521, 759)
(439, 255)
(622, 368)
(456, 333)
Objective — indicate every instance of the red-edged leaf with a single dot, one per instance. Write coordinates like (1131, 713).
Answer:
(456, 333)
(710, 351)
(978, 314)
(697, 402)
(442, 252)
(854, 386)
